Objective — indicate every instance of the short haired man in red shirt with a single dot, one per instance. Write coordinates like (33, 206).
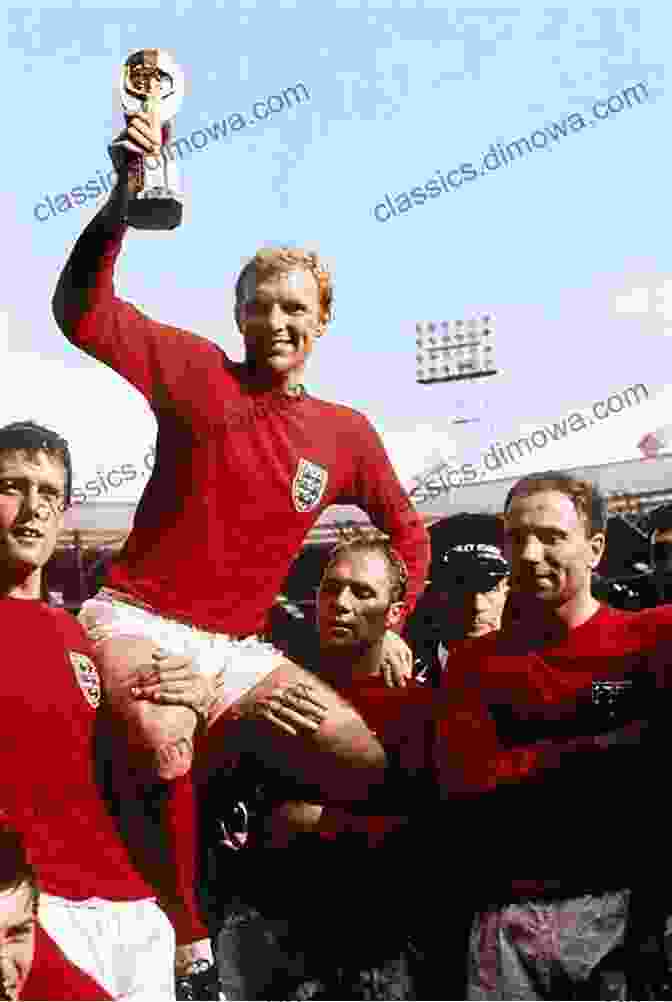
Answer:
(246, 462)
(353, 947)
(94, 902)
(548, 733)
(361, 595)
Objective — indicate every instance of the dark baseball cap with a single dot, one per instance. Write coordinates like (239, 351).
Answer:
(468, 567)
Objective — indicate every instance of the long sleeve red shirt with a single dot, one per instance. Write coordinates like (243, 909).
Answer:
(403, 721)
(519, 720)
(48, 780)
(240, 477)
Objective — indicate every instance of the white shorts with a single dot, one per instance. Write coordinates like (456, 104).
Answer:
(236, 665)
(128, 947)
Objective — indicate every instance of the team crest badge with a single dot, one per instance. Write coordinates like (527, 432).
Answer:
(309, 485)
(612, 698)
(87, 677)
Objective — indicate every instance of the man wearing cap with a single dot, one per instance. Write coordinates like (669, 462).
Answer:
(465, 599)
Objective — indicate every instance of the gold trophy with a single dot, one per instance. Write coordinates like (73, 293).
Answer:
(151, 81)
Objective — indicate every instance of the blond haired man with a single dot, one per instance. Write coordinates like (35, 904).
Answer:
(246, 462)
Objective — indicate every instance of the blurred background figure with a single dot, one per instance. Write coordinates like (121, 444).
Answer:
(641, 577)
(660, 549)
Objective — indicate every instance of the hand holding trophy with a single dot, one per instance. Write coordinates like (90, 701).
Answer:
(152, 88)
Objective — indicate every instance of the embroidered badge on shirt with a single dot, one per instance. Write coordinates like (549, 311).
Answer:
(612, 699)
(309, 485)
(87, 677)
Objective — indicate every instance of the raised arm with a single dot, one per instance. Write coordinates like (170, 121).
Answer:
(87, 275)
(167, 365)
(83, 278)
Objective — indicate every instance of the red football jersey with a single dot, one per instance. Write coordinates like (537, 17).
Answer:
(513, 719)
(240, 477)
(50, 691)
(403, 720)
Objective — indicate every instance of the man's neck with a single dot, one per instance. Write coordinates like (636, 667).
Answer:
(291, 383)
(340, 666)
(550, 621)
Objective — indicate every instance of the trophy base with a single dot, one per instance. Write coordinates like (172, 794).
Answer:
(154, 212)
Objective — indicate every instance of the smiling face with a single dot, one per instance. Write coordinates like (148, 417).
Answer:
(32, 491)
(17, 939)
(279, 317)
(552, 551)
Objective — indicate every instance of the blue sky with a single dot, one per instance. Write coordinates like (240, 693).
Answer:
(567, 246)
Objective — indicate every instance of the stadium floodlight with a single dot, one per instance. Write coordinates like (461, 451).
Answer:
(455, 349)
